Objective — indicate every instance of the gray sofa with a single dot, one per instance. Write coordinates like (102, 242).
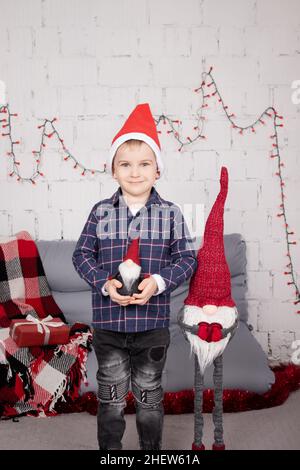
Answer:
(245, 363)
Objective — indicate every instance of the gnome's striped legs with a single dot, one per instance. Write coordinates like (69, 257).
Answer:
(218, 408)
(198, 405)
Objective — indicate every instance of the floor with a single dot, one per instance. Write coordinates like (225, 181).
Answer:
(272, 428)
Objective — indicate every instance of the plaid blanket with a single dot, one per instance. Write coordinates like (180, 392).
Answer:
(34, 379)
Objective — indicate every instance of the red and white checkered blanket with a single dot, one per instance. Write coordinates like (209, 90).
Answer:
(33, 379)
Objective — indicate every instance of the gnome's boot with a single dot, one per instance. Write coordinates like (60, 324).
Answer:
(198, 405)
(218, 408)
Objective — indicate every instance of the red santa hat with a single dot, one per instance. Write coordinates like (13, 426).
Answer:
(210, 284)
(133, 252)
(139, 125)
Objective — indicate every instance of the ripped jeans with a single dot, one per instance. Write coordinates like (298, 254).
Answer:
(138, 358)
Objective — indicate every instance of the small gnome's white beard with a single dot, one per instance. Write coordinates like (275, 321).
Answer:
(207, 352)
(129, 273)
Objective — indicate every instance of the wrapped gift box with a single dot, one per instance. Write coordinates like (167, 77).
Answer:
(32, 332)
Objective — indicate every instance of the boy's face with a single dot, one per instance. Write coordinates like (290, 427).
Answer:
(135, 168)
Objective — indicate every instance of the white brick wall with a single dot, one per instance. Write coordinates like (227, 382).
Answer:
(89, 63)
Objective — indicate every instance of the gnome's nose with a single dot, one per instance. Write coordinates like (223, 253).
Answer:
(209, 309)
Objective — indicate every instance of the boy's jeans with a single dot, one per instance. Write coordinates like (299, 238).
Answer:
(139, 357)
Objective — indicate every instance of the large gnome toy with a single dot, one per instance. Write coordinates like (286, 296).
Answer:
(209, 317)
(129, 271)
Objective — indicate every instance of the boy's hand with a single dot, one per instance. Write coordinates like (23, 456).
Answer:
(149, 287)
(111, 286)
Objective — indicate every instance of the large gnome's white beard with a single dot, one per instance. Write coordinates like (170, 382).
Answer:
(207, 352)
(129, 272)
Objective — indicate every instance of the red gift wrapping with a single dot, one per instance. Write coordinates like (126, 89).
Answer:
(25, 332)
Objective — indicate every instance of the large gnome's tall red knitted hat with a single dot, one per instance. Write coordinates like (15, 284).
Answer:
(139, 125)
(133, 252)
(210, 284)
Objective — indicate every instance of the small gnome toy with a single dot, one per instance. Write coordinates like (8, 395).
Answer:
(209, 318)
(129, 271)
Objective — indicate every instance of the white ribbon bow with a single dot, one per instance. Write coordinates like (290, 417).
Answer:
(41, 325)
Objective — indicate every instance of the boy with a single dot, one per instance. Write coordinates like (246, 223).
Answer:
(131, 332)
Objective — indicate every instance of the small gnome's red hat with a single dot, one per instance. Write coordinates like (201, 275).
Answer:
(139, 125)
(210, 284)
(133, 252)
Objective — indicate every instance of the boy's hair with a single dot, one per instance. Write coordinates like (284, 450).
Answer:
(130, 143)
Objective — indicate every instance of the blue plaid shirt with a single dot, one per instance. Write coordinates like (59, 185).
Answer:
(165, 248)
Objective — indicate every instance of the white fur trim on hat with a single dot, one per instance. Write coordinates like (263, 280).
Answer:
(139, 136)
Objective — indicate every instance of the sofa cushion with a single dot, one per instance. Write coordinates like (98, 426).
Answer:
(56, 257)
(245, 365)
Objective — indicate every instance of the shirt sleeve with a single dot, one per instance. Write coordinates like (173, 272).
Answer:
(161, 285)
(183, 256)
(85, 255)
(104, 291)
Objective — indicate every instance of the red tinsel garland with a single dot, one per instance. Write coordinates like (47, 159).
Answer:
(287, 380)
